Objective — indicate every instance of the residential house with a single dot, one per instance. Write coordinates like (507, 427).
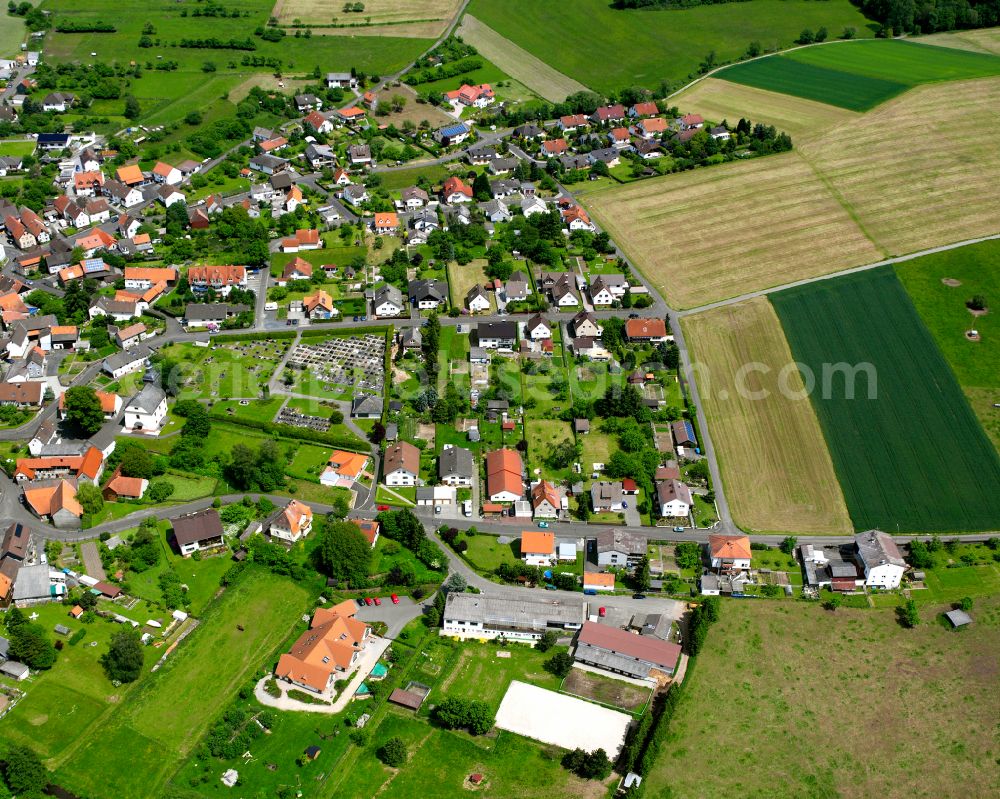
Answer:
(352, 115)
(199, 314)
(880, 558)
(529, 131)
(146, 412)
(456, 466)
(59, 102)
(130, 175)
(649, 330)
(267, 164)
(369, 529)
(319, 305)
(720, 133)
(355, 195)
(496, 211)
(609, 156)
(319, 156)
(220, 279)
(401, 465)
(476, 96)
(729, 552)
(359, 155)
(620, 548)
(647, 109)
(552, 148)
(388, 301)
(606, 496)
(165, 173)
(613, 649)
(125, 362)
(87, 184)
(341, 80)
(343, 466)
(55, 502)
(122, 194)
(691, 121)
(517, 287)
(575, 218)
(428, 294)
(386, 223)
(538, 548)
(452, 134)
(477, 300)
(302, 240)
(121, 487)
(307, 102)
(497, 335)
(414, 198)
(87, 465)
(683, 433)
(504, 475)
(140, 278)
(572, 122)
(111, 404)
(545, 500)
(455, 190)
(586, 324)
(290, 523)
(598, 581)
(608, 113)
(538, 328)
(198, 531)
(327, 651)
(674, 499)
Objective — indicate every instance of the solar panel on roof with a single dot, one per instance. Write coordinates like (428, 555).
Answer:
(93, 265)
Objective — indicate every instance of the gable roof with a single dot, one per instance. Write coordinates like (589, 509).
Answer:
(402, 455)
(199, 526)
(503, 472)
(536, 542)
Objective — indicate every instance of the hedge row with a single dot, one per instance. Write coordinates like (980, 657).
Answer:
(318, 332)
(278, 334)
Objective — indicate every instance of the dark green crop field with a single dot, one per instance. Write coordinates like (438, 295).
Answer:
(859, 75)
(908, 451)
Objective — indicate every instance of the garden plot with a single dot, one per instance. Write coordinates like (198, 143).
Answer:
(561, 720)
(348, 361)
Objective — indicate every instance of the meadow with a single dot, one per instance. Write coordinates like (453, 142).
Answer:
(981, 40)
(410, 18)
(17, 147)
(169, 711)
(833, 704)
(909, 453)
(942, 306)
(517, 62)
(859, 75)
(613, 49)
(719, 100)
(774, 460)
(719, 232)
(225, 370)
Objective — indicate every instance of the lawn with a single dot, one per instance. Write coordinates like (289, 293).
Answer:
(859, 75)
(308, 462)
(597, 448)
(388, 553)
(16, 147)
(942, 307)
(793, 666)
(260, 410)
(169, 711)
(462, 278)
(775, 465)
(612, 49)
(399, 179)
(486, 554)
(847, 197)
(909, 452)
(543, 436)
(479, 674)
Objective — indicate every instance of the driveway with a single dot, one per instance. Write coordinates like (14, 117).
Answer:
(395, 616)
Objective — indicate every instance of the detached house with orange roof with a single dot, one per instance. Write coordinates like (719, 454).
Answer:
(296, 269)
(729, 552)
(545, 500)
(122, 487)
(302, 240)
(369, 529)
(290, 523)
(343, 466)
(386, 223)
(475, 96)
(504, 476)
(455, 190)
(111, 404)
(329, 650)
(164, 173)
(319, 305)
(87, 184)
(538, 548)
(130, 175)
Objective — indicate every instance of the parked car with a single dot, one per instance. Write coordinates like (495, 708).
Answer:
(378, 601)
(437, 508)
(544, 525)
(638, 596)
(368, 601)
(678, 529)
(602, 612)
(382, 507)
(395, 599)
(625, 505)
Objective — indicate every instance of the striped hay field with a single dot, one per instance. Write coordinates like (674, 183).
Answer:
(722, 99)
(775, 464)
(922, 170)
(722, 231)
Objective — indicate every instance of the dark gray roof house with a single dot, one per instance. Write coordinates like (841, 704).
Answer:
(455, 464)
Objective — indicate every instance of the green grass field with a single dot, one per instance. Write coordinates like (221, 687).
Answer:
(767, 658)
(168, 712)
(612, 49)
(942, 307)
(167, 97)
(486, 554)
(16, 147)
(859, 75)
(235, 369)
(908, 451)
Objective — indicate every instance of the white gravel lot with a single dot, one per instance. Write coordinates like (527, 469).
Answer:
(562, 720)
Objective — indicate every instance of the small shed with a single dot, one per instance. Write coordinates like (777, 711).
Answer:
(230, 777)
(15, 670)
(76, 612)
(61, 629)
(958, 618)
(312, 752)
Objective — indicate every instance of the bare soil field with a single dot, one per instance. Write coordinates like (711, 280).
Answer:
(915, 173)
(836, 704)
(983, 40)
(606, 690)
(944, 188)
(775, 463)
(419, 19)
(719, 232)
(721, 99)
(517, 62)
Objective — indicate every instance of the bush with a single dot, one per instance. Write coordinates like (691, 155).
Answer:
(559, 664)
(471, 714)
(547, 641)
(393, 752)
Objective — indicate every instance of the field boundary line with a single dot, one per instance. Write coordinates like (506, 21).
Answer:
(897, 259)
(842, 201)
